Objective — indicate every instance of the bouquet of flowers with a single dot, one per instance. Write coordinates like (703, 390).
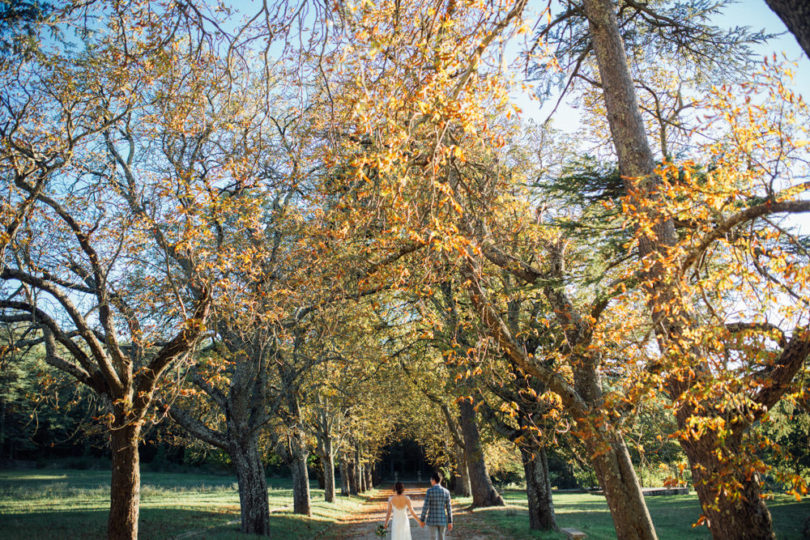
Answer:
(381, 531)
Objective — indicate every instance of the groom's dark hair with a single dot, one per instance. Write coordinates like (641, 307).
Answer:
(436, 476)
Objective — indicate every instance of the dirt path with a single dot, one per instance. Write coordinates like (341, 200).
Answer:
(362, 525)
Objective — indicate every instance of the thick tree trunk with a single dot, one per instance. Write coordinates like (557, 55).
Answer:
(669, 319)
(125, 485)
(300, 478)
(483, 492)
(254, 508)
(538, 490)
(328, 465)
(463, 488)
(611, 462)
(796, 16)
(344, 478)
(729, 516)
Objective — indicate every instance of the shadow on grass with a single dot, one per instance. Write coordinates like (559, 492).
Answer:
(673, 516)
(154, 524)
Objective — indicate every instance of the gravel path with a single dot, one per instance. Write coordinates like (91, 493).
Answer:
(362, 525)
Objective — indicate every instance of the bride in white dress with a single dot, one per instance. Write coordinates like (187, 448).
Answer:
(400, 505)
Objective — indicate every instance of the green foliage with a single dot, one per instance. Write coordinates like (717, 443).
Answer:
(788, 427)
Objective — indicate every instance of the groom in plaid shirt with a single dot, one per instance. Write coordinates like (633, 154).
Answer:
(437, 508)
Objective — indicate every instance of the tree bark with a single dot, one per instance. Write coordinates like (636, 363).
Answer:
(670, 319)
(125, 485)
(300, 478)
(359, 479)
(483, 492)
(351, 476)
(462, 488)
(796, 16)
(611, 462)
(744, 517)
(538, 490)
(328, 465)
(344, 478)
(369, 479)
(254, 508)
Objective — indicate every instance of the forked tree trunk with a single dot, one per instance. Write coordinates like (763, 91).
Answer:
(483, 492)
(254, 508)
(462, 488)
(729, 515)
(300, 478)
(125, 485)
(611, 462)
(538, 490)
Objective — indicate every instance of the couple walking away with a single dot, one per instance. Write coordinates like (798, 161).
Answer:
(437, 514)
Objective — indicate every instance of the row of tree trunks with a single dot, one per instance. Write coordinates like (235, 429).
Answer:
(606, 447)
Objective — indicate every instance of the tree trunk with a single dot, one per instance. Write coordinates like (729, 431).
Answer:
(483, 492)
(358, 472)
(538, 490)
(729, 515)
(463, 488)
(369, 480)
(351, 476)
(125, 485)
(300, 478)
(253, 505)
(2, 428)
(328, 466)
(320, 474)
(344, 478)
(796, 16)
(361, 478)
(611, 462)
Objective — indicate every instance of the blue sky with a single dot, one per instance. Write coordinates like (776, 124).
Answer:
(752, 13)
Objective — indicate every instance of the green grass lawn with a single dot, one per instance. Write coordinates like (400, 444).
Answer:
(47, 504)
(673, 516)
(73, 504)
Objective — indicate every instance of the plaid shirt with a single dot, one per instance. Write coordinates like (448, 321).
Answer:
(437, 501)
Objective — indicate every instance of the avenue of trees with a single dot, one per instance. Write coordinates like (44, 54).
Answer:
(306, 231)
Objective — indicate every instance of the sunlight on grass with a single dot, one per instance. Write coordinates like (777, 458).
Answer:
(74, 504)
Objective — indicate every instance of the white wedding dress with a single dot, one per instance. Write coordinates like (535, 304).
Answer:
(400, 524)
